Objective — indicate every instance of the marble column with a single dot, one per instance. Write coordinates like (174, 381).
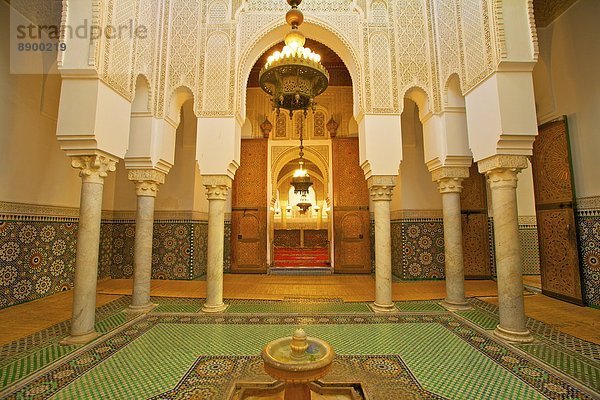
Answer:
(146, 188)
(449, 181)
(217, 189)
(93, 170)
(380, 188)
(501, 172)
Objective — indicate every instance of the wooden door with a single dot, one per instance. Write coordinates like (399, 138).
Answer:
(473, 204)
(351, 218)
(249, 209)
(554, 206)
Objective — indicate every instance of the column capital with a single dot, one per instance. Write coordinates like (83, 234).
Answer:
(502, 161)
(449, 172)
(381, 187)
(94, 168)
(450, 185)
(501, 170)
(217, 186)
(146, 181)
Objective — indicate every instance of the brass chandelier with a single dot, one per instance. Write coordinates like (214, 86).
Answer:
(293, 77)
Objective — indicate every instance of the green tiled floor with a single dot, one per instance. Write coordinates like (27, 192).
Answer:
(175, 305)
(585, 371)
(13, 369)
(439, 360)
(419, 306)
(445, 355)
(22, 367)
(289, 307)
(480, 318)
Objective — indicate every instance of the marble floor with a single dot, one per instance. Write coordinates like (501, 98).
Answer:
(174, 352)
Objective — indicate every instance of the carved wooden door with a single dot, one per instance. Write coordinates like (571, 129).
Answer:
(554, 205)
(249, 209)
(473, 203)
(351, 218)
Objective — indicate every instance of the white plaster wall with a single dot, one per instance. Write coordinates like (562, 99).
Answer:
(182, 189)
(525, 195)
(566, 83)
(34, 169)
(414, 188)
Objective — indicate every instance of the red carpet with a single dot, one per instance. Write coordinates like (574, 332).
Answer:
(298, 257)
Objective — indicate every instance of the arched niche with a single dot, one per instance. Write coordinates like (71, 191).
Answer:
(278, 164)
(312, 28)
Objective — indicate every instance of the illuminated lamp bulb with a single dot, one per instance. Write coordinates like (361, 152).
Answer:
(277, 55)
(317, 58)
(294, 39)
(306, 52)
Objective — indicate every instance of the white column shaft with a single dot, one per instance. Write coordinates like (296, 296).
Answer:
(142, 256)
(214, 273)
(508, 258)
(86, 259)
(383, 255)
(453, 248)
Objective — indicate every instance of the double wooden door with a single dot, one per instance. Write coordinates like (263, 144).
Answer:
(351, 218)
(249, 209)
(473, 204)
(555, 211)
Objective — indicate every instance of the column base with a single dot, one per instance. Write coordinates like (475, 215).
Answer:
(219, 308)
(141, 309)
(514, 337)
(79, 339)
(381, 308)
(455, 306)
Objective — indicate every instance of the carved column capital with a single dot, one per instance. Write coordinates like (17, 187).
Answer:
(217, 186)
(146, 181)
(381, 187)
(501, 170)
(450, 185)
(450, 179)
(94, 168)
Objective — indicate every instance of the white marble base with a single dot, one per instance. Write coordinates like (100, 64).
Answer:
(214, 309)
(379, 308)
(79, 339)
(141, 309)
(513, 337)
(455, 306)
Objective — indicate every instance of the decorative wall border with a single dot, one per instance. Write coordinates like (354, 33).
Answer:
(36, 212)
(397, 215)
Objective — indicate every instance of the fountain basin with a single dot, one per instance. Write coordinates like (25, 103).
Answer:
(296, 361)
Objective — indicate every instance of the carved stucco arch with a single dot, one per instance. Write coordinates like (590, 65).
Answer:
(176, 99)
(291, 154)
(452, 95)
(137, 92)
(313, 28)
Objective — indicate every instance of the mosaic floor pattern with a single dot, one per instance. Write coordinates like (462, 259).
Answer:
(421, 352)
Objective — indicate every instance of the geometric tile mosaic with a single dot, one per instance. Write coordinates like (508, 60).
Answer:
(178, 250)
(36, 259)
(530, 254)
(589, 248)
(418, 249)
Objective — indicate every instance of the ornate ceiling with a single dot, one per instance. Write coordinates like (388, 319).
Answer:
(547, 11)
